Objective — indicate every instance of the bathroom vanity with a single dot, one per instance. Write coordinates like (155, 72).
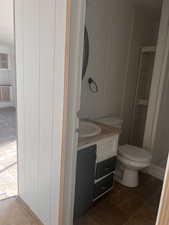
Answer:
(96, 160)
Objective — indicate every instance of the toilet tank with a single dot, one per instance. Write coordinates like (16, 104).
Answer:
(111, 121)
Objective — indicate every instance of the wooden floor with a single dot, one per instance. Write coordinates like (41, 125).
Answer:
(14, 212)
(124, 206)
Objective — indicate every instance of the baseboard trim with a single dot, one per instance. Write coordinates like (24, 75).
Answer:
(156, 171)
(28, 209)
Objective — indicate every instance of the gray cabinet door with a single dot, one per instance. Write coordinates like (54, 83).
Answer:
(85, 174)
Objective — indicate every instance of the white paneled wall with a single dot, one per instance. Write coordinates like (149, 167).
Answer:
(40, 58)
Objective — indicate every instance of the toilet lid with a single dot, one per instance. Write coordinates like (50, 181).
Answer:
(134, 153)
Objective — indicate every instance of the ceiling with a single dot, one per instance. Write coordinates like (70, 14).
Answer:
(151, 7)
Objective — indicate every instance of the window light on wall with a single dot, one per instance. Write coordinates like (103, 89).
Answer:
(4, 61)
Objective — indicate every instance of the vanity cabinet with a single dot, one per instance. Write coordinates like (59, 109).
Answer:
(105, 167)
(94, 172)
(107, 148)
(103, 186)
(85, 176)
(104, 177)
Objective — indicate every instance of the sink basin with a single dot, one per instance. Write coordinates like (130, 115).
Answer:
(88, 129)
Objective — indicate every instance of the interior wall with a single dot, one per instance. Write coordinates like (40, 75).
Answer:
(145, 33)
(161, 145)
(109, 25)
(113, 59)
(7, 44)
(40, 69)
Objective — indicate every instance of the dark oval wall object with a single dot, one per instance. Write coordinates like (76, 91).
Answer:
(85, 52)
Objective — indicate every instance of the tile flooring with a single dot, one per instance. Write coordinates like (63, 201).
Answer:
(8, 156)
(126, 206)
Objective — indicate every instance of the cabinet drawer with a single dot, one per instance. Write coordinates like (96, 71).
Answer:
(105, 167)
(103, 185)
(107, 148)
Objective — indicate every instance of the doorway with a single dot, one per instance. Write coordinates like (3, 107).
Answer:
(8, 123)
(91, 101)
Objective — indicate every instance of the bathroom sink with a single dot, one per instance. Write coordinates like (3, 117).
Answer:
(88, 129)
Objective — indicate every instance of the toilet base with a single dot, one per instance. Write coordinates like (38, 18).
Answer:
(129, 178)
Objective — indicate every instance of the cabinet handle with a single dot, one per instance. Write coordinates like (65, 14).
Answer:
(107, 168)
(103, 188)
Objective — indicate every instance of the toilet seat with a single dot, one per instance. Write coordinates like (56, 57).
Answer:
(134, 153)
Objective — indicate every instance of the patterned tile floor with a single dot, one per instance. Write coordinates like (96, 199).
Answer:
(8, 153)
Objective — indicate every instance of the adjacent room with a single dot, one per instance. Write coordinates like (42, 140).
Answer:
(8, 134)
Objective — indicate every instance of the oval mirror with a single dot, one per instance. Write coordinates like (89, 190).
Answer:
(85, 52)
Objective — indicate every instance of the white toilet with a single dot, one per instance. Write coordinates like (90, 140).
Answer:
(131, 159)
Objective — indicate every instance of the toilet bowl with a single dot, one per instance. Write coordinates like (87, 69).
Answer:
(132, 159)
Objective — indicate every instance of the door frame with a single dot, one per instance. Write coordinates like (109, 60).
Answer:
(75, 32)
(158, 79)
(163, 212)
(76, 14)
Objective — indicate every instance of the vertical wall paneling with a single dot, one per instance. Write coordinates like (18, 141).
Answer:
(40, 32)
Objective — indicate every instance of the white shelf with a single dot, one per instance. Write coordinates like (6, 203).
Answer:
(143, 102)
(148, 49)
